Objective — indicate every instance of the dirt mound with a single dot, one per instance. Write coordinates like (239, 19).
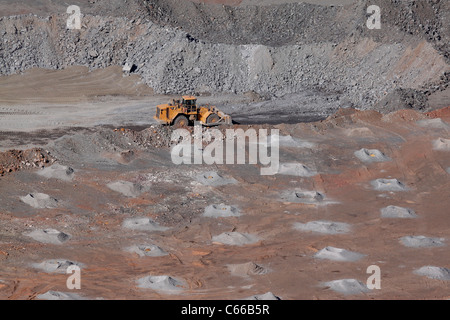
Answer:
(422, 242)
(441, 144)
(40, 200)
(337, 254)
(397, 212)
(147, 250)
(265, 296)
(154, 136)
(49, 236)
(327, 227)
(388, 185)
(235, 238)
(57, 171)
(347, 286)
(56, 295)
(90, 147)
(55, 265)
(371, 155)
(300, 196)
(432, 272)
(164, 284)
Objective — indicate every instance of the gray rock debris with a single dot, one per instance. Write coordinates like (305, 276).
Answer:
(235, 238)
(421, 242)
(397, 212)
(300, 196)
(326, 227)
(40, 200)
(266, 296)
(57, 295)
(388, 185)
(371, 155)
(441, 144)
(347, 286)
(55, 265)
(57, 171)
(49, 236)
(221, 210)
(338, 254)
(433, 272)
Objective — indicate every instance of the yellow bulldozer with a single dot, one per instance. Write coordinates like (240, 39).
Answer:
(180, 113)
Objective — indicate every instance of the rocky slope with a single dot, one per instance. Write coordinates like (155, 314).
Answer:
(272, 50)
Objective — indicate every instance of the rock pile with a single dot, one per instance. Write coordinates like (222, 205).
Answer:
(15, 160)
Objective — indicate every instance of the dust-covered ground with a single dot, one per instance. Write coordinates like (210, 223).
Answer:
(87, 177)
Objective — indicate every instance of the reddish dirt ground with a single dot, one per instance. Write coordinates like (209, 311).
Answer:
(92, 214)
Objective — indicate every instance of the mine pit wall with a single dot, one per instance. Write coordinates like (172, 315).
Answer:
(326, 48)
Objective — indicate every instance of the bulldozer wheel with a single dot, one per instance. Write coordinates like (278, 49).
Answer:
(181, 121)
(212, 118)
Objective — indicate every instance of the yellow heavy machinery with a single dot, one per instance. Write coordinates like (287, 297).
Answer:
(183, 112)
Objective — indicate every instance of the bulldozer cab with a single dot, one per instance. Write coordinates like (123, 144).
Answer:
(190, 103)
